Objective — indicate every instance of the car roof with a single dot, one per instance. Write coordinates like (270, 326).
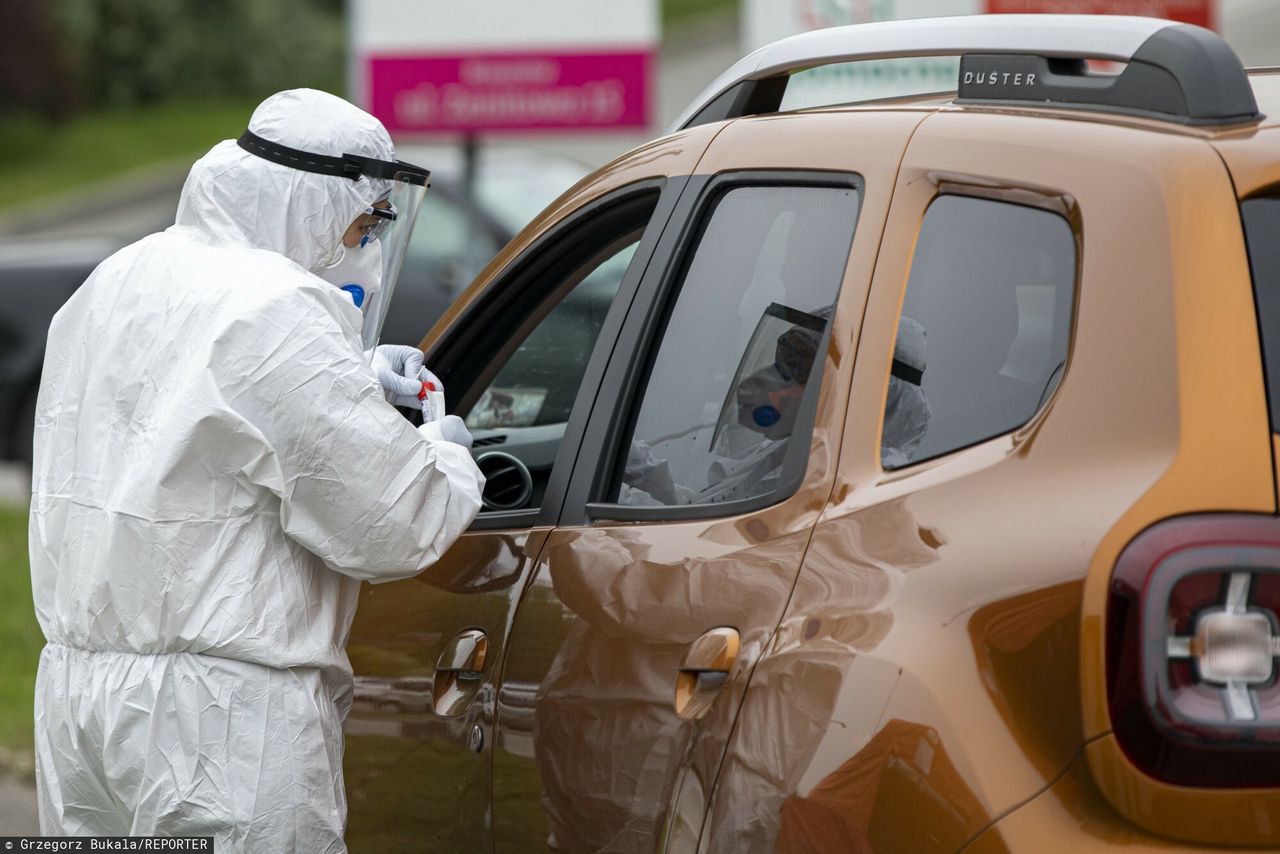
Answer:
(1265, 83)
(1181, 75)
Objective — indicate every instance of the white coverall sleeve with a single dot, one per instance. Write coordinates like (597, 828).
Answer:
(358, 485)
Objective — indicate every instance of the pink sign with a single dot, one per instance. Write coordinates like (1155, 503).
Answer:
(510, 91)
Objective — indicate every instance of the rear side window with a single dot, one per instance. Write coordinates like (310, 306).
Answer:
(733, 384)
(1262, 232)
(985, 326)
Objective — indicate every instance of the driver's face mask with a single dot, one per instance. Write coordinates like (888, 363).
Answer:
(357, 271)
(768, 403)
(770, 398)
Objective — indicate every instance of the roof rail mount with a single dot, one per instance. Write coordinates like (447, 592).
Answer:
(1174, 72)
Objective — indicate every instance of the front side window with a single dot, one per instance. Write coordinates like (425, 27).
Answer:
(513, 371)
(985, 326)
(736, 369)
(538, 383)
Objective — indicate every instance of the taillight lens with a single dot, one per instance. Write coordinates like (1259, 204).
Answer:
(1193, 639)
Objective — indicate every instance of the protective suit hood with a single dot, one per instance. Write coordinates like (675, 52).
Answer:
(233, 198)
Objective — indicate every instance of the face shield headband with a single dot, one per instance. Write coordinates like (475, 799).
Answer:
(351, 166)
(394, 217)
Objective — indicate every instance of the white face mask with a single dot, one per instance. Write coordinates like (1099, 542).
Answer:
(357, 271)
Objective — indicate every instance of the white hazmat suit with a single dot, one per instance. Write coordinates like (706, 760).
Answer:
(215, 469)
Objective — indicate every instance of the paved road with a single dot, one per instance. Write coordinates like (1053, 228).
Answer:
(18, 815)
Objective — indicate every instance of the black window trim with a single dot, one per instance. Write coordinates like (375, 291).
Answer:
(1270, 193)
(498, 295)
(1062, 205)
(615, 414)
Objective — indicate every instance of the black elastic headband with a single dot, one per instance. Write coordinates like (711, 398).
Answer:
(906, 373)
(347, 166)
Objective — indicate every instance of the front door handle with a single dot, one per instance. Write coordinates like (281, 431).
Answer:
(459, 673)
(705, 670)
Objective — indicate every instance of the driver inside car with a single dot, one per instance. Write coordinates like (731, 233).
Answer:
(766, 403)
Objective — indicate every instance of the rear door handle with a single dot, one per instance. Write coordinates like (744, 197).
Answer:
(459, 673)
(705, 670)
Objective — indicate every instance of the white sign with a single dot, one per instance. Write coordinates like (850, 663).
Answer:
(494, 65)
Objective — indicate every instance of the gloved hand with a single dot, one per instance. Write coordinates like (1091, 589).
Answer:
(449, 428)
(397, 367)
(431, 396)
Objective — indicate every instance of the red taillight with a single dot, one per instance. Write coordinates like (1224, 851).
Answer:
(1193, 636)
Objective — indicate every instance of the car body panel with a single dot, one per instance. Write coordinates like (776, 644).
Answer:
(978, 605)
(1076, 816)
(1236, 817)
(400, 631)
(1252, 160)
(620, 604)
(922, 658)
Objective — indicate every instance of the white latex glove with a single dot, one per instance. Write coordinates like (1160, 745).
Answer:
(431, 397)
(397, 367)
(449, 428)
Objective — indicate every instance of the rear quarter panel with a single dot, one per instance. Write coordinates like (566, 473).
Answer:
(940, 661)
(1253, 158)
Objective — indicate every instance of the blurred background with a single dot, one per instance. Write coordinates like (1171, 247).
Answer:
(104, 104)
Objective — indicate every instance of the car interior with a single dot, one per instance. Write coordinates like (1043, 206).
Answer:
(538, 336)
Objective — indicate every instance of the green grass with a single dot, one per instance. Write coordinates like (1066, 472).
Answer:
(39, 160)
(20, 642)
(677, 11)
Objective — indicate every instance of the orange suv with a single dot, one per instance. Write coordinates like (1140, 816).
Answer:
(895, 476)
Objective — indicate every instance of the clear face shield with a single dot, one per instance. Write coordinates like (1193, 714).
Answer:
(370, 261)
(388, 226)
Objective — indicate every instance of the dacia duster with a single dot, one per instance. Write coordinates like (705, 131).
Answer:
(893, 476)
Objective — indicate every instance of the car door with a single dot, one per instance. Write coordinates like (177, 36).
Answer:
(521, 360)
(704, 467)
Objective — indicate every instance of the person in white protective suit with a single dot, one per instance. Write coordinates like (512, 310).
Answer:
(216, 468)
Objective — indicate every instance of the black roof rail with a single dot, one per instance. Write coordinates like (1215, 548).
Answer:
(1175, 72)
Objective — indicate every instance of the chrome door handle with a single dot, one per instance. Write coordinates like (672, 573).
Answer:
(465, 653)
(458, 673)
(705, 670)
